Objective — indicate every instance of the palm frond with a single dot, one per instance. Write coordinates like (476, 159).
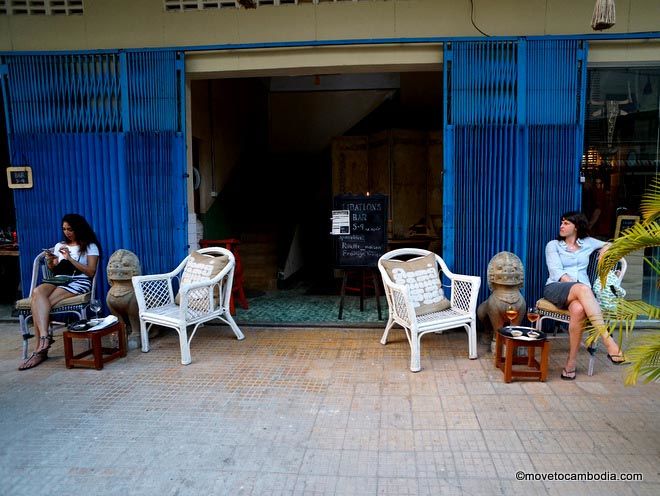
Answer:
(622, 320)
(627, 308)
(637, 237)
(650, 205)
(643, 353)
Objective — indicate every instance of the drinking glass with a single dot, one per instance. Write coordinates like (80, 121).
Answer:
(533, 315)
(95, 306)
(511, 313)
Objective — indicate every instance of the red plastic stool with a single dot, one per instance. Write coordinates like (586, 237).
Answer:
(237, 286)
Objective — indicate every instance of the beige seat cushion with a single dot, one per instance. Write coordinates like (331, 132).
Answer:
(26, 303)
(202, 268)
(546, 306)
(421, 276)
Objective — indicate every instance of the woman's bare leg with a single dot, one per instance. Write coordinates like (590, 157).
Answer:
(583, 294)
(575, 328)
(44, 297)
(41, 311)
(613, 348)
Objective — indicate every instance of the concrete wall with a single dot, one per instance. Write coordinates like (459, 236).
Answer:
(144, 23)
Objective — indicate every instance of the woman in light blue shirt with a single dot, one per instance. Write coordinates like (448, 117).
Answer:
(568, 286)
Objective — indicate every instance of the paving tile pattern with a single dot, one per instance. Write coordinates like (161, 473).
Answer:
(316, 412)
(298, 306)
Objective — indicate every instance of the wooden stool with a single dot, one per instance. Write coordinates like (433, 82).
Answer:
(237, 291)
(506, 362)
(362, 273)
(97, 348)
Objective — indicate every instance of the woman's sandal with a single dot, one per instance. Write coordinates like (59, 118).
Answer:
(48, 341)
(617, 359)
(568, 375)
(35, 359)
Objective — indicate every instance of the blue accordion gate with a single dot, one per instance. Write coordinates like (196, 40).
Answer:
(104, 134)
(513, 134)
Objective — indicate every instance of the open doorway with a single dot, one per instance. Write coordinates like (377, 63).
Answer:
(272, 153)
(9, 268)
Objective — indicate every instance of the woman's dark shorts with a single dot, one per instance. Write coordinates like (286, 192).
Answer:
(557, 293)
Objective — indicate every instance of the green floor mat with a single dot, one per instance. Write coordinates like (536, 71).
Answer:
(295, 306)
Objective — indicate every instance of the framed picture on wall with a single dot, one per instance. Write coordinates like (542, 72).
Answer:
(19, 177)
(624, 222)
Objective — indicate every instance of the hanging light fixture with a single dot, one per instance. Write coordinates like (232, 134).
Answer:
(604, 15)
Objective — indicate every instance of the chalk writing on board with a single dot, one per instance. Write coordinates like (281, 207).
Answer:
(19, 177)
(367, 240)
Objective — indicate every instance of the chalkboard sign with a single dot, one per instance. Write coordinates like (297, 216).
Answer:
(624, 222)
(19, 177)
(367, 240)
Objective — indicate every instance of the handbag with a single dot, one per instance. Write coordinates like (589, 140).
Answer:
(608, 295)
(58, 280)
(64, 268)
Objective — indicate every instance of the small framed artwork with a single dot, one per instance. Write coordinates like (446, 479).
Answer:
(624, 222)
(19, 177)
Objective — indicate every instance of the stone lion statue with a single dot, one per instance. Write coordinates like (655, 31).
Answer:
(123, 265)
(505, 279)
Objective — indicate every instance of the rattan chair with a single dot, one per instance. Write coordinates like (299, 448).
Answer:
(462, 312)
(200, 302)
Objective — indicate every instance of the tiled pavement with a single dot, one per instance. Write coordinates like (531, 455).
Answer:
(316, 411)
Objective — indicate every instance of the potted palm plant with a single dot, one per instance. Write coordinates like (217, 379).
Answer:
(643, 351)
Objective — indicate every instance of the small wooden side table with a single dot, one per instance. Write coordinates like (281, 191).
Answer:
(100, 354)
(510, 358)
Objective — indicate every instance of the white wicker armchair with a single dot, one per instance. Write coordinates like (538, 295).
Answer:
(198, 302)
(462, 312)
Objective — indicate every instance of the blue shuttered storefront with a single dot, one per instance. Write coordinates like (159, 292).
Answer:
(513, 141)
(104, 135)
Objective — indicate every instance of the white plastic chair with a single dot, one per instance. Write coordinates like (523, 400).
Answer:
(462, 312)
(76, 304)
(198, 303)
(549, 311)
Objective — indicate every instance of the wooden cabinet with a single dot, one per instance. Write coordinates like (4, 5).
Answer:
(350, 158)
(405, 165)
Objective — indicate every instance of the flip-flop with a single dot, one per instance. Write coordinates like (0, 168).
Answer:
(617, 362)
(35, 359)
(568, 375)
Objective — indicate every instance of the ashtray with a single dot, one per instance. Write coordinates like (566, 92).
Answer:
(84, 324)
(80, 325)
(521, 332)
